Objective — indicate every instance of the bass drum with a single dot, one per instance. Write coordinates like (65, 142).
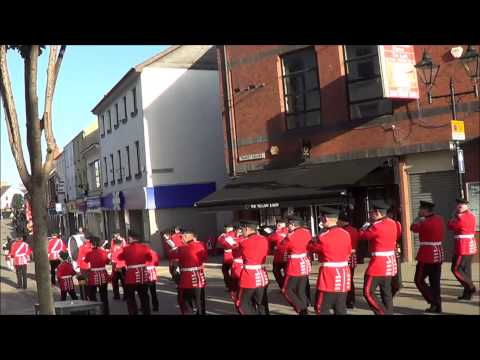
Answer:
(74, 244)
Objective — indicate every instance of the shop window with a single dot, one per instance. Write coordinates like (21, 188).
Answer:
(364, 83)
(301, 88)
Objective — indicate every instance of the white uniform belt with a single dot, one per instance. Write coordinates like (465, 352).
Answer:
(470, 236)
(253, 267)
(196, 268)
(239, 261)
(66, 277)
(150, 267)
(97, 269)
(334, 264)
(135, 266)
(383, 253)
(297, 256)
(429, 243)
(354, 251)
(227, 250)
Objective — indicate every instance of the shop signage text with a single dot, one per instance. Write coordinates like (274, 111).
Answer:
(250, 157)
(458, 130)
(262, 206)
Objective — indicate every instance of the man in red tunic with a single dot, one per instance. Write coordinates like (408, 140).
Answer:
(191, 289)
(344, 223)
(430, 228)
(237, 264)
(84, 267)
(392, 213)
(382, 236)
(136, 255)
(334, 249)
(227, 241)
(279, 261)
(98, 277)
(65, 276)
(118, 266)
(152, 277)
(298, 265)
(463, 224)
(20, 252)
(252, 298)
(55, 247)
(170, 244)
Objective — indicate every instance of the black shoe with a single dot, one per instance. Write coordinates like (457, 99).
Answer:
(303, 312)
(350, 306)
(467, 294)
(434, 309)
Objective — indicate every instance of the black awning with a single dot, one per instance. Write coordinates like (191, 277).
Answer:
(274, 188)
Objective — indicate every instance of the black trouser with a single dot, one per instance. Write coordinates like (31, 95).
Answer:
(226, 275)
(92, 295)
(331, 300)
(191, 299)
(21, 271)
(351, 293)
(370, 286)
(53, 266)
(279, 273)
(294, 289)
(462, 269)
(235, 286)
(175, 274)
(253, 301)
(431, 292)
(397, 279)
(142, 290)
(72, 293)
(116, 276)
(307, 292)
(153, 293)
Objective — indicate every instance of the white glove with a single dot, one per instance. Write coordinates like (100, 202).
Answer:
(366, 226)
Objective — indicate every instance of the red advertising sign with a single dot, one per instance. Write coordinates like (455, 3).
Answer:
(399, 76)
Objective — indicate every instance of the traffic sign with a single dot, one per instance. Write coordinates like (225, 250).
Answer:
(458, 130)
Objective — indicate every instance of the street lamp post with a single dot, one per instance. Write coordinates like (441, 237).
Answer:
(428, 72)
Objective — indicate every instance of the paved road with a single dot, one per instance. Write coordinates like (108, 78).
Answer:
(407, 302)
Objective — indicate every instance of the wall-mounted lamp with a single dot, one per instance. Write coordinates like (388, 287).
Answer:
(274, 150)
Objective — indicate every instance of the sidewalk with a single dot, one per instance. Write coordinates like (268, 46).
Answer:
(407, 302)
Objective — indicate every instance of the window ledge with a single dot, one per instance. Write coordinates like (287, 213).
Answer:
(138, 176)
(128, 178)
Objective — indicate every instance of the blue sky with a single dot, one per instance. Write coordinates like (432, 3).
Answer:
(86, 75)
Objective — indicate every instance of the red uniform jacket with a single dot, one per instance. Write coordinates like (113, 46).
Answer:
(382, 236)
(464, 226)
(116, 263)
(82, 252)
(55, 247)
(227, 241)
(334, 248)
(295, 245)
(275, 241)
(254, 250)
(20, 253)
(237, 264)
(191, 257)
(65, 274)
(97, 258)
(354, 238)
(431, 233)
(136, 255)
(151, 266)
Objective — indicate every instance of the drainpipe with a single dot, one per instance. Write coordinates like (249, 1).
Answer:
(228, 109)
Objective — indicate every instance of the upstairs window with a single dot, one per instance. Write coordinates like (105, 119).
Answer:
(96, 166)
(139, 171)
(364, 81)
(120, 178)
(102, 127)
(134, 96)
(109, 115)
(124, 120)
(113, 170)
(129, 177)
(301, 88)
(117, 117)
(105, 180)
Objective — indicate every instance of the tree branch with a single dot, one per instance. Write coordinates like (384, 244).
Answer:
(11, 118)
(34, 132)
(54, 64)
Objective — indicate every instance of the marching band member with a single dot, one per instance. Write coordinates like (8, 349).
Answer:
(84, 267)
(334, 249)
(65, 274)
(98, 277)
(463, 225)
(227, 242)
(191, 289)
(152, 278)
(298, 265)
(431, 230)
(382, 238)
(55, 247)
(279, 255)
(118, 266)
(252, 298)
(170, 245)
(136, 255)
(237, 264)
(20, 253)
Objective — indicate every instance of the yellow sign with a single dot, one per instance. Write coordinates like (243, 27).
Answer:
(458, 130)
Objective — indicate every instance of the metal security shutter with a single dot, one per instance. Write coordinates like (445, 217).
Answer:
(442, 189)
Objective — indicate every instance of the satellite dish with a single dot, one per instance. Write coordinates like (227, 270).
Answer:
(74, 244)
